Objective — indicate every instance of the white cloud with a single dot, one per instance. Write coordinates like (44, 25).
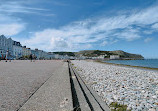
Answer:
(83, 34)
(155, 26)
(146, 40)
(104, 43)
(46, 40)
(10, 29)
(93, 30)
(57, 40)
(10, 25)
(128, 34)
(12, 7)
(148, 31)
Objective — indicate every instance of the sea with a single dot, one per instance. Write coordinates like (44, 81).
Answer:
(151, 63)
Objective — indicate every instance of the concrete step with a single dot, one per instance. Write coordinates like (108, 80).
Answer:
(85, 94)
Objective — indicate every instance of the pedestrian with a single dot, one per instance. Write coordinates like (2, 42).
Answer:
(30, 57)
(6, 56)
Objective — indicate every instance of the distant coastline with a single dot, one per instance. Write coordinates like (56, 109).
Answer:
(127, 65)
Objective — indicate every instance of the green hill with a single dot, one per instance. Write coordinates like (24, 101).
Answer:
(95, 53)
(65, 53)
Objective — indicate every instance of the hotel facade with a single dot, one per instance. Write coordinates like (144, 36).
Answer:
(16, 50)
(6, 44)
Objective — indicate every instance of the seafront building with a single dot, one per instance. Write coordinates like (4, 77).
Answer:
(100, 57)
(16, 50)
(24, 52)
(5, 44)
(114, 57)
(40, 54)
(28, 51)
(51, 55)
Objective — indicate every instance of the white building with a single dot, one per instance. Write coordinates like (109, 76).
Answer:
(17, 50)
(50, 55)
(99, 57)
(114, 57)
(81, 57)
(40, 54)
(24, 51)
(6, 44)
(57, 56)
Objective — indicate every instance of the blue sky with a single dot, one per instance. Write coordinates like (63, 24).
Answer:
(73, 25)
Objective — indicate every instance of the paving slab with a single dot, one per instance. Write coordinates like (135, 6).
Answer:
(53, 95)
(20, 79)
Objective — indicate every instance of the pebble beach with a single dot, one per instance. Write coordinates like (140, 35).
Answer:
(137, 88)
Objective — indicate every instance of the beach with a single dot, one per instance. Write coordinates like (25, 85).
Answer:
(135, 87)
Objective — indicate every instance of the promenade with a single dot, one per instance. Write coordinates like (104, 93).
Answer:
(36, 86)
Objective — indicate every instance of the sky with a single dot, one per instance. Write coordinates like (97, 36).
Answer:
(74, 25)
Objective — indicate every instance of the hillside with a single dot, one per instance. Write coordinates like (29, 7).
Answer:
(127, 55)
(95, 53)
(65, 53)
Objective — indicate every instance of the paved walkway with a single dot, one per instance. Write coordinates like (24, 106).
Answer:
(20, 79)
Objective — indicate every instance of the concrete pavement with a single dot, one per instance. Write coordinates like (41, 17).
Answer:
(19, 80)
(45, 85)
(54, 95)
